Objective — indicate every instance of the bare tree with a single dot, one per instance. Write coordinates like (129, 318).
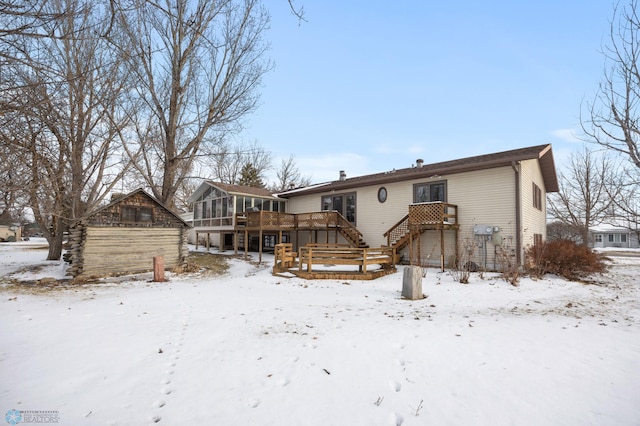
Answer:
(557, 230)
(289, 176)
(198, 65)
(613, 117)
(584, 198)
(625, 201)
(225, 163)
(13, 178)
(65, 115)
(24, 18)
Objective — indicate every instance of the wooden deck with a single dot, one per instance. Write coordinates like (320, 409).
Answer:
(422, 217)
(330, 222)
(326, 256)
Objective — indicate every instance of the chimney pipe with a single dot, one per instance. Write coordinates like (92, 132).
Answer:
(419, 162)
(343, 175)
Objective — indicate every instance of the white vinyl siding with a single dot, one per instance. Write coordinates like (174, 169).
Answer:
(534, 220)
(483, 197)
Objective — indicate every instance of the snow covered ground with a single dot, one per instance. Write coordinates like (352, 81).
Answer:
(248, 348)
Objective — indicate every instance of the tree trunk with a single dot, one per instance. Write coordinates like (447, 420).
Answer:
(55, 241)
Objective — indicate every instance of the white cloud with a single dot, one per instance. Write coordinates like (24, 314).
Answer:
(567, 135)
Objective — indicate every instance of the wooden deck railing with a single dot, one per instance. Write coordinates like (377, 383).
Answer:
(276, 221)
(435, 215)
(340, 255)
(265, 220)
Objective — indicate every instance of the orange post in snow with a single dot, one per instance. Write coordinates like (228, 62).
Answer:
(158, 269)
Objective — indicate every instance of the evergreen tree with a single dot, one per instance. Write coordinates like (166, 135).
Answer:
(249, 176)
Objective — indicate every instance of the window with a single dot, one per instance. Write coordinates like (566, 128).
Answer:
(136, 214)
(537, 240)
(345, 204)
(430, 192)
(537, 197)
(269, 241)
(598, 238)
(382, 194)
(215, 206)
(617, 238)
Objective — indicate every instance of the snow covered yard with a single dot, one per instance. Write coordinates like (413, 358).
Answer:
(248, 348)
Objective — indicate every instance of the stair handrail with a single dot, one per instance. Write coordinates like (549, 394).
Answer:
(348, 228)
(391, 231)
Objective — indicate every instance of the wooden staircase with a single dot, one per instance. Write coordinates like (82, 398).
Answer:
(350, 233)
(423, 217)
(400, 234)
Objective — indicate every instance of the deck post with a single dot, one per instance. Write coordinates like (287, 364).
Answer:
(246, 244)
(457, 254)
(235, 242)
(419, 244)
(442, 249)
(410, 246)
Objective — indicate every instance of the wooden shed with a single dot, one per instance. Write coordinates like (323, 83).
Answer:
(124, 237)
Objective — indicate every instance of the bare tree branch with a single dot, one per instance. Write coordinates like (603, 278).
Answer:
(613, 117)
(584, 198)
(198, 67)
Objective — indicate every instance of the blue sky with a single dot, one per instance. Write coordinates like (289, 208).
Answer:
(369, 86)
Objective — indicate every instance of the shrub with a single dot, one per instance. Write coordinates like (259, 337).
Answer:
(509, 265)
(463, 266)
(564, 258)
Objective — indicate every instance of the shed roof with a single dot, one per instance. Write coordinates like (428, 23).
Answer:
(131, 194)
(543, 153)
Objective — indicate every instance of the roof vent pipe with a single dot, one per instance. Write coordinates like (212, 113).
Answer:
(343, 175)
(419, 162)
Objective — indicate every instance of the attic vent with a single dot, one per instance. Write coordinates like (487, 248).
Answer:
(419, 162)
(343, 175)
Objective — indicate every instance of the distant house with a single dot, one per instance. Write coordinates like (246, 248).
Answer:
(491, 206)
(11, 232)
(604, 236)
(124, 237)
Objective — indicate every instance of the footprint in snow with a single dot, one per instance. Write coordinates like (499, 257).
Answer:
(396, 419)
(395, 386)
(253, 402)
(284, 381)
